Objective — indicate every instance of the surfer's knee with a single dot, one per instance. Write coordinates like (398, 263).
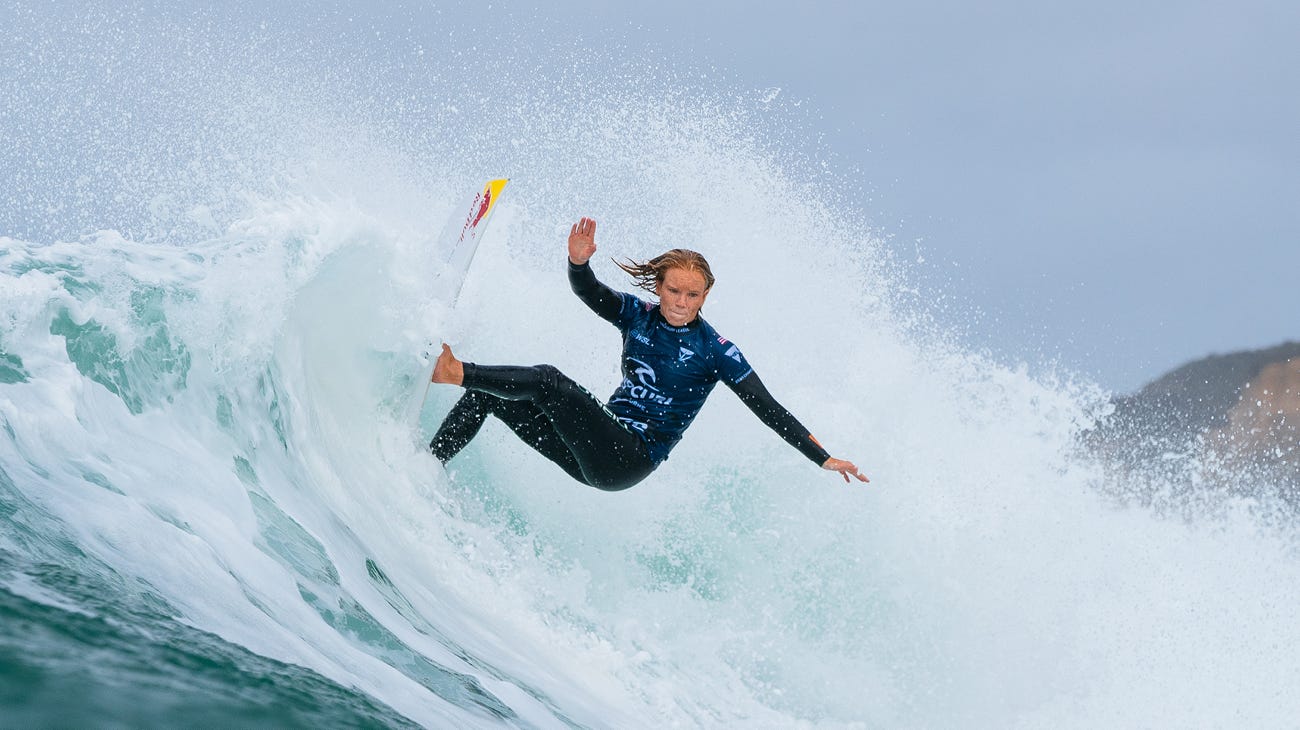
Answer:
(549, 378)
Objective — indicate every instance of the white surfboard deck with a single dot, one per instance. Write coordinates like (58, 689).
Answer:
(456, 247)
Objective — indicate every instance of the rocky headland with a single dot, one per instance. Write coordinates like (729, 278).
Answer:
(1225, 420)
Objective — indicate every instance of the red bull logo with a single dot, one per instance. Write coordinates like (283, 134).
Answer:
(477, 211)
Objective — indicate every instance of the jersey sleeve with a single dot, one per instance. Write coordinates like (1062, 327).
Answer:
(754, 395)
(731, 365)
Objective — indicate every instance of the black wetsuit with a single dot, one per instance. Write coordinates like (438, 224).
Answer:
(668, 372)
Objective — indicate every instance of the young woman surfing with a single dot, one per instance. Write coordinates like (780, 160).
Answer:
(672, 359)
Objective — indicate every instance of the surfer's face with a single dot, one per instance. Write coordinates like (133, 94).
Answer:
(681, 294)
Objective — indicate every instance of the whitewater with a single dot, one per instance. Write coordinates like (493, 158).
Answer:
(215, 506)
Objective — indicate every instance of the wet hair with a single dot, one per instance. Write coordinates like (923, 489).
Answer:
(651, 273)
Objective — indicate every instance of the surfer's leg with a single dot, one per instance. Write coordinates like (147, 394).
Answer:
(532, 427)
(461, 425)
(609, 456)
(526, 420)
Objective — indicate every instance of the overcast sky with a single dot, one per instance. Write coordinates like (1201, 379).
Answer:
(1116, 182)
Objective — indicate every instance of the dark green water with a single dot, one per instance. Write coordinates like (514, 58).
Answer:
(104, 662)
(83, 646)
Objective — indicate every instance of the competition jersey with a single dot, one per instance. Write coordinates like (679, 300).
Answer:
(668, 372)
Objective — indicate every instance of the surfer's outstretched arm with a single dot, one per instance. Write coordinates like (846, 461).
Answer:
(602, 300)
(756, 397)
(582, 241)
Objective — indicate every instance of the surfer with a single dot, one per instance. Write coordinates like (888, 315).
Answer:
(672, 358)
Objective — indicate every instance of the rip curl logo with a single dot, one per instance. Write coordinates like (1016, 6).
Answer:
(684, 354)
(636, 425)
(645, 389)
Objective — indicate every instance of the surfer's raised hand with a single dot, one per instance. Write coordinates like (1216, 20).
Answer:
(582, 241)
(845, 468)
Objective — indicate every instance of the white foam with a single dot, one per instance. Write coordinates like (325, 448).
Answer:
(980, 580)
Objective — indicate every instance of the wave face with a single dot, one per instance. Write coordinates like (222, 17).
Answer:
(213, 293)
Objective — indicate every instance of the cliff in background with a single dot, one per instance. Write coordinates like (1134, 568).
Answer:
(1237, 416)
(1263, 427)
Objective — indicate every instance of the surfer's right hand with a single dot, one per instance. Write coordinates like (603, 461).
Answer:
(845, 468)
(582, 241)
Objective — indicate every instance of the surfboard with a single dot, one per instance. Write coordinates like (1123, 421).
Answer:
(456, 248)
(459, 240)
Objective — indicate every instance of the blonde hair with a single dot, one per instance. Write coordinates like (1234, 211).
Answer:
(650, 274)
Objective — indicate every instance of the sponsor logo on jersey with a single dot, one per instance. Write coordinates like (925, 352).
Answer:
(639, 337)
(733, 352)
(644, 387)
(637, 425)
(684, 354)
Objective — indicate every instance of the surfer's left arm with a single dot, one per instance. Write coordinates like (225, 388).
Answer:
(756, 397)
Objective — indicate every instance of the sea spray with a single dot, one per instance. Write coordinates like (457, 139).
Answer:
(205, 348)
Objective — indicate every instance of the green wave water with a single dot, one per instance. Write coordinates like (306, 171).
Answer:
(214, 510)
(83, 646)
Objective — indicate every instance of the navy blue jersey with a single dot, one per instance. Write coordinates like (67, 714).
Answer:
(668, 372)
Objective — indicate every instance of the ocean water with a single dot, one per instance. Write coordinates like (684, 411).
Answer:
(216, 508)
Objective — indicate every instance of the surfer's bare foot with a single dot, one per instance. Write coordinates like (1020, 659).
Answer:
(448, 369)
